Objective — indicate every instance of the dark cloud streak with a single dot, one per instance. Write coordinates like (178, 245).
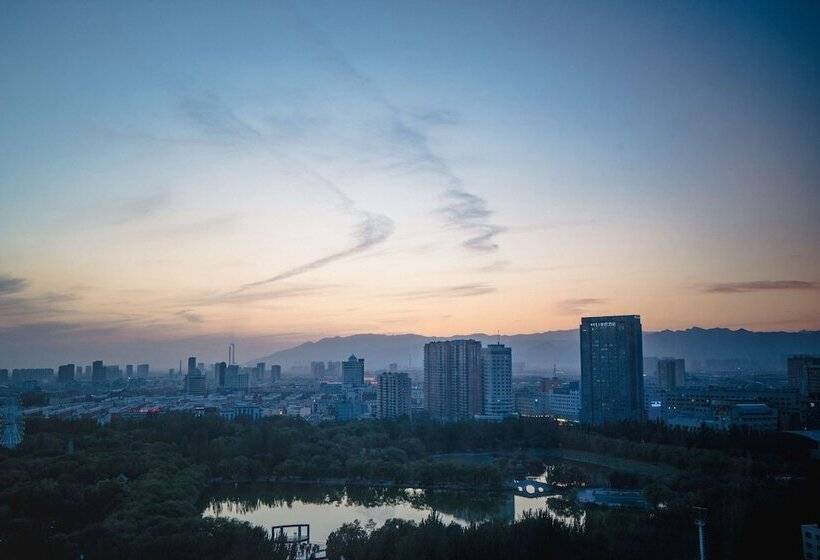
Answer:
(760, 286)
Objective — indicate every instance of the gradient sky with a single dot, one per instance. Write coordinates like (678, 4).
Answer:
(177, 175)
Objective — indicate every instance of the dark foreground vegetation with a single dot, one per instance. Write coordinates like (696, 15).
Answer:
(136, 489)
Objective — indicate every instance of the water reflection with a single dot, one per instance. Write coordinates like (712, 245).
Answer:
(326, 508)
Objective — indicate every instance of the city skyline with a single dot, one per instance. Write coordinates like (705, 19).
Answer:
(157, 192)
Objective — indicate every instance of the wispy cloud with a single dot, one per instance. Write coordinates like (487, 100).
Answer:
(578, 306)
(760, 286)
(190, 316)
(216, 118)
(255, 297)
(372, 230)
(460, 291)
(12, 285)
(416, 151)
(17, 306)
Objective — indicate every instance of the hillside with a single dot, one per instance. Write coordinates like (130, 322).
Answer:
(713, 348)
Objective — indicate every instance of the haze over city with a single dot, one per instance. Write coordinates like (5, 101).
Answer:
(272, 173)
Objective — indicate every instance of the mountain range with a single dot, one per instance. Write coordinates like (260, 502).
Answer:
(710, 349)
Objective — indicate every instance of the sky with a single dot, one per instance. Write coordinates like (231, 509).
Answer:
(175, 176)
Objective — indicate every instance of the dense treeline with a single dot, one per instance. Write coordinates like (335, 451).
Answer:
(135, 489)
(633, 535)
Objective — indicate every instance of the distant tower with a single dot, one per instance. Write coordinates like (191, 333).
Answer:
(353, 371)
(394, 394)
(231, 354)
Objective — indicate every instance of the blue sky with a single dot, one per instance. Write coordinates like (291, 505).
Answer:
(275, 172)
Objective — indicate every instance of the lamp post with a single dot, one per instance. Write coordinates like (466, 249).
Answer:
(700, 523)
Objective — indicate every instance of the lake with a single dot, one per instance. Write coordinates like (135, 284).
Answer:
(326, 508)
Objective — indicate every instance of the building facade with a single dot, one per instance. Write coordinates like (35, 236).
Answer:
(452, 379)
(353, 371)
(671, 373)
(394, 394)
(65, 374)
(496, 380)
(611, 369)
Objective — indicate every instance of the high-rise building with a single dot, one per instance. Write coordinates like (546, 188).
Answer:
(334, 370)
(800, 369)
(611, 369)
(236, 378)
(317, 370)
(671, 373)
(129, 370)
(452, 379)
(192, 364)
(394, 394)
(496, 380)
(220, 371)
(353, 371)
(97, 372)
(4, 376)
(565, 401)
(195, 383)
(65, 374)
(275, 372)
(142, 370)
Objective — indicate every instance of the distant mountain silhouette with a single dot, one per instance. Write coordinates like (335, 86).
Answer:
(710, 348)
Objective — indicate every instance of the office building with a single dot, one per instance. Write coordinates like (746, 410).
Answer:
(192, 364)
(671, 373)
(715, 404)
(65, 374)
(142, 370)
(496, 380)
(195, 383)
(129, 371)
(394, 394)
(564, 402)
(753, 416)
(275, 372)
(452, 379)
(97, 372)
(353, 371)
(236, 378)
(31, 375)
(611, 369)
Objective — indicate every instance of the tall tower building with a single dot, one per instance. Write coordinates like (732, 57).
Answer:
(275, 372)
(611, 369)
(353, 371)
(496, 380)
(220, 371)
(452, 379)
(191, 364)
(671, 373)
(97, 372)
(394, 394)
(799, 369)
(317, 370)
(65, 374)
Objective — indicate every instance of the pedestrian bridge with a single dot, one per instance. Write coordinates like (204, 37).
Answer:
(530, 488)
